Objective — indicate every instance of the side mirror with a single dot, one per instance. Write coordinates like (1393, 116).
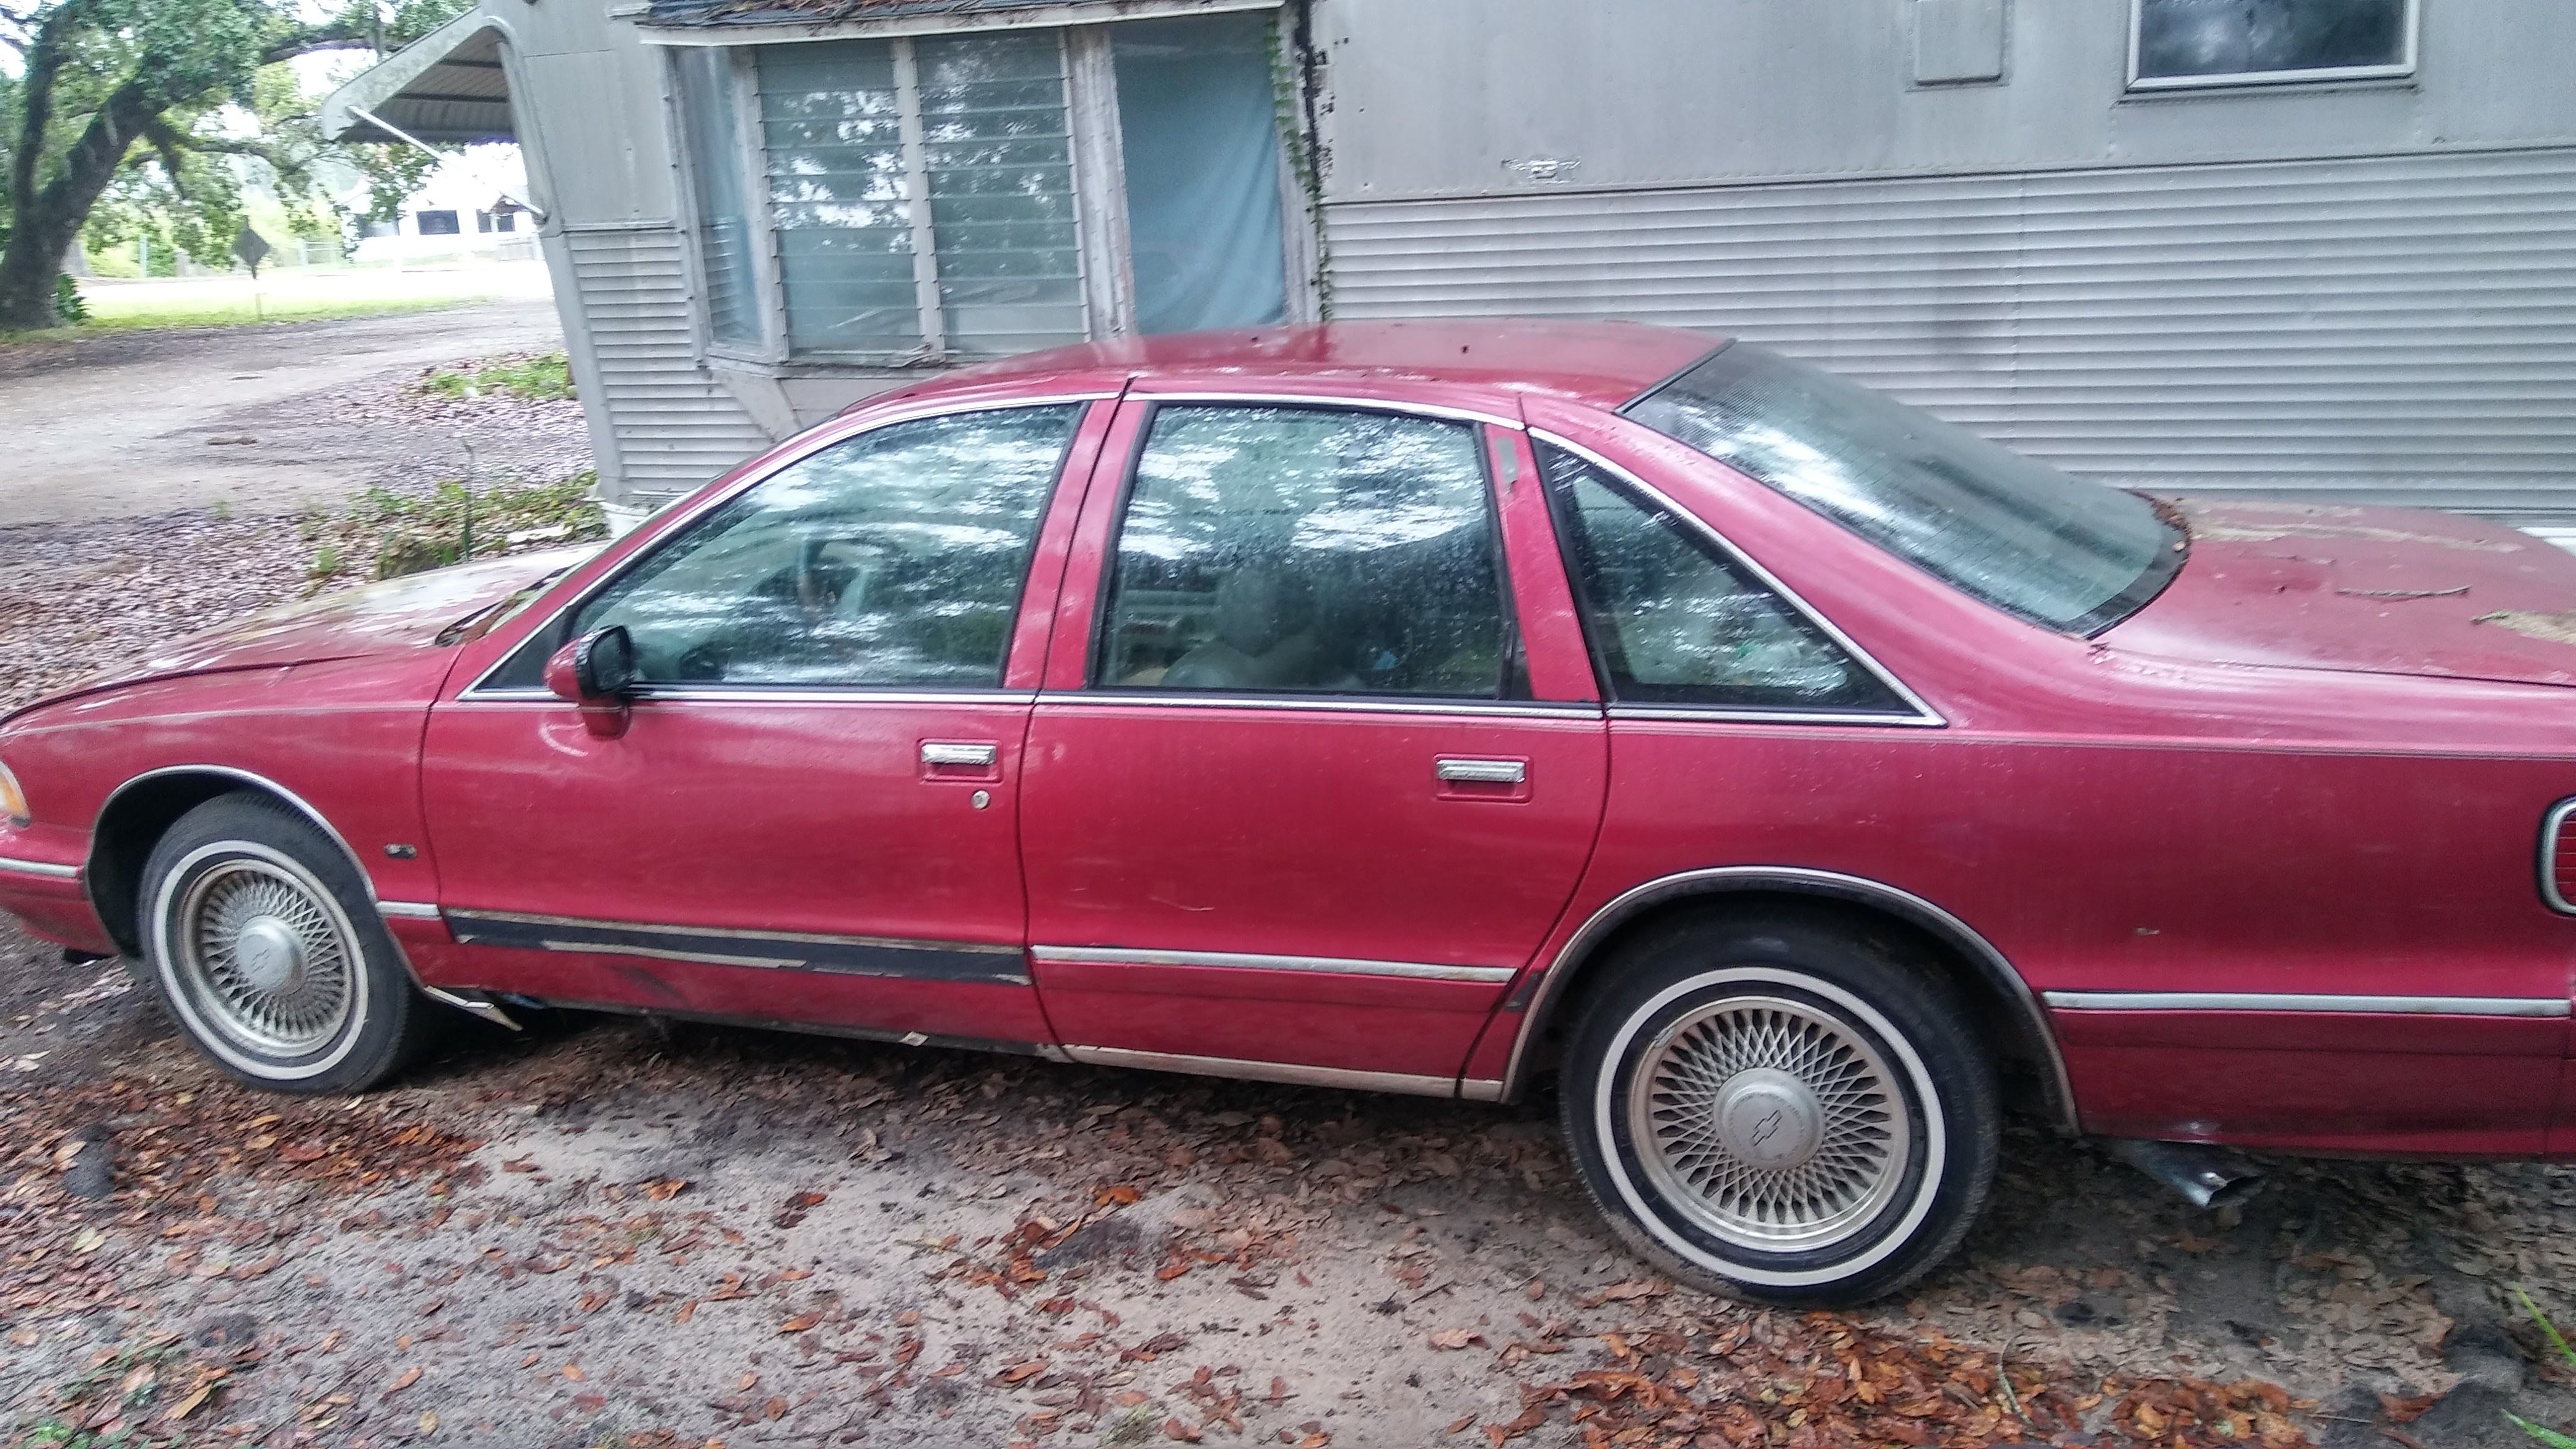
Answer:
(597, 672)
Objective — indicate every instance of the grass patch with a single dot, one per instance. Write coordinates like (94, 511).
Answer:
(291, 296)
(546, 378)
(391, 534)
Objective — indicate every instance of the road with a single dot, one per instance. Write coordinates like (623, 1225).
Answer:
(151, 422)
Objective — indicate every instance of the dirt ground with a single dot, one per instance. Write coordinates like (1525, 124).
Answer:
(612, 1232)
(141, 423)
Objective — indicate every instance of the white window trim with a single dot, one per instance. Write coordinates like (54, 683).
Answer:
(1072, 15)
(1103, 245)
(2403, 69)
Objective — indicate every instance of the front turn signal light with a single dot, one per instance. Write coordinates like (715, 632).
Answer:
(13, 801)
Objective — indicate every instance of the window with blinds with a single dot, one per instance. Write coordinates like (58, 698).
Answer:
(712, 134)
(895, 200)
(923, 194)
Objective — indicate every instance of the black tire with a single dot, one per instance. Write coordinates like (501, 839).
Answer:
(264, 944)
(1706, 1178)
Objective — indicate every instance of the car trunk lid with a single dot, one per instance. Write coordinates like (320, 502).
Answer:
(2374, 590)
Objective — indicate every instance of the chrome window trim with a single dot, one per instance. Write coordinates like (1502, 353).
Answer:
(1243, 961)
(408, 910)
(929, 408)
(2550, 825)
(2308, 1002)
(1542, 990)
(773, 694)
(1691, 714)
(1924, 716)
(1292, 1073)
(1364, 404)
(1329, 703)
(46, 868)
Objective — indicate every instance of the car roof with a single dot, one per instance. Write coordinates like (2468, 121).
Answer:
(1603, 364)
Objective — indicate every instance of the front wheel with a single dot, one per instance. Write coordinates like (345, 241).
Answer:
(1776, 1108)
(262, 940)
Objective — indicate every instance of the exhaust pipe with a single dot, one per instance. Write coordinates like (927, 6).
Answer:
(2211, 1177)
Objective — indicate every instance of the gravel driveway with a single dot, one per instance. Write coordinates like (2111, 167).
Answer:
(607, 1232)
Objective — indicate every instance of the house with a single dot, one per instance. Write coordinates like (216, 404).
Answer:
(465, 211)
(2310, 249)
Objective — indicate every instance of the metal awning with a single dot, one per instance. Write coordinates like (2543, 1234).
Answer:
(447, 86)
(679, 21)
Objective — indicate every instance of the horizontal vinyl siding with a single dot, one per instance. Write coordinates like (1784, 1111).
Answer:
(672, 428)
(2397, 330)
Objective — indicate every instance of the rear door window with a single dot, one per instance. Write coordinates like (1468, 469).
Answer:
(1673, 621)
(1308, 550)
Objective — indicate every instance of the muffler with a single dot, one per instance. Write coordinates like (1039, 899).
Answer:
(2211, 1177)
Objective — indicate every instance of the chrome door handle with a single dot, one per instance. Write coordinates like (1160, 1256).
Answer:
(1483, 772)
(955, 755)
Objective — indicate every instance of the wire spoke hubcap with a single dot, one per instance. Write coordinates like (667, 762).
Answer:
(1769, 1123)
(263, 959)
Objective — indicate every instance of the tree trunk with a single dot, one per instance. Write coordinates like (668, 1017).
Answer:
(28, 266)
(49, 220)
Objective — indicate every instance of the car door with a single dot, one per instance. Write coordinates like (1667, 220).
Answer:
(808, 816)
(1320, 759)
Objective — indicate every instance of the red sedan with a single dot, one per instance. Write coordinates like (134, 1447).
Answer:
(1795, 780)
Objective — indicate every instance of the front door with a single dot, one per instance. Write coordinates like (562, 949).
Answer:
(1302, 795)
(809, 816)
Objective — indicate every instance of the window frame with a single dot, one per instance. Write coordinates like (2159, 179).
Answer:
(2401, 70)
(1917, 714)
(560, 611)
(1515, 691)
(1098, 173)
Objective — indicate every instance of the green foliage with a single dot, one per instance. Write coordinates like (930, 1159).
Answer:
(406, 534)
(67, 300)
(2557, 1342)
(164, 118)
(547, 378)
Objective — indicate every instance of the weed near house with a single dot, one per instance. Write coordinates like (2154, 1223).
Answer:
(394, 534)
(545, 378)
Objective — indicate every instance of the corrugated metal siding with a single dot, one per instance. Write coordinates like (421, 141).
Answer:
(2393, 329)
(671, 427)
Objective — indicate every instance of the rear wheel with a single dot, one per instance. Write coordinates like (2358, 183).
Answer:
(264, 943)
(1774, 1107)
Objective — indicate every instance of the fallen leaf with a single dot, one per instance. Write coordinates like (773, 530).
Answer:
(1020, 1373)
(2403, 1410)
(1460, 1425)
(429, 1421)
(406, 1379)
(1456, 1338)
(1120, 1195)
(665, 1189)
(687, 1311)
(1175, 1429)
(800, 1323)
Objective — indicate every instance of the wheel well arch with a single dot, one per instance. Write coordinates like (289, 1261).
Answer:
(2008, 1011)
(139, 812)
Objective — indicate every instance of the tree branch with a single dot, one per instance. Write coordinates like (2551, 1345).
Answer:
(338, 35)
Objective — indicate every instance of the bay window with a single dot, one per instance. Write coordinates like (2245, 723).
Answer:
(909, 199)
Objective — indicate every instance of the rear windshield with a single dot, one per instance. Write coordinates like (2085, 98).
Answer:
(2040, 544)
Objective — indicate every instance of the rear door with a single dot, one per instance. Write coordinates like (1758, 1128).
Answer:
(1320, 759)
(809, 817)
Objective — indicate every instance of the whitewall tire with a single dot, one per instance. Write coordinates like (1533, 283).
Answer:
(1776, 1107)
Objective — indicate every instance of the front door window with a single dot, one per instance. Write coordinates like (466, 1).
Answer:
(894, 559)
